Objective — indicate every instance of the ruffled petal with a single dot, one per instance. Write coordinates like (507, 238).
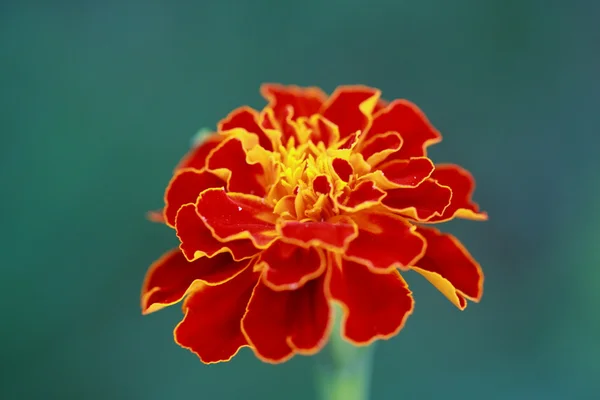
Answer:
(380, 146)
(342, 168)
(211, 327)
(198, 241)
(196, 157)
(172, 276)
(248, 119)
(184, 188)
(351, 108)
(381, 104)
(229, 159)
(303, 101)
(410, 122)
(323, 130)
(385, 242)
(401, 173)
(420, 203)
(321, 184)
(288, 267)
(279, 324)
(334, 236)
(289, 127)
(375, 305)
(232, 216)
(349, 142)
(364, 195)
(450, 268)
(462, 184)
(266, 120)
(407, 173)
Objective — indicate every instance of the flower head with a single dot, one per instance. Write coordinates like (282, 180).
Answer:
(311, 201)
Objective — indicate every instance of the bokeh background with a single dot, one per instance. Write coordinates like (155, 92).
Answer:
(99, 100)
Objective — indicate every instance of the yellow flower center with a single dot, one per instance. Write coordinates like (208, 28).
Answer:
(303, 181)
(299, 176)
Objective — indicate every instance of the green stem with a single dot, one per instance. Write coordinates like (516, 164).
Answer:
(345, 370)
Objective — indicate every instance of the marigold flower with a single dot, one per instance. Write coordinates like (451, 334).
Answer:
(312, 200)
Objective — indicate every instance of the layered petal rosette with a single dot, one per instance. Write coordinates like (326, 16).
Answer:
(312, 201)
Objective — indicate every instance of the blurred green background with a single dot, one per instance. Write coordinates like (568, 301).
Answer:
(100, 99)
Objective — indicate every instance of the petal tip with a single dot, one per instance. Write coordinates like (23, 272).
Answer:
(205, 360)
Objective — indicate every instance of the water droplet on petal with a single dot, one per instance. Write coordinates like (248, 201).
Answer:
(239, 208)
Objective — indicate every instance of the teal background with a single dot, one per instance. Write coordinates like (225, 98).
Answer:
(99, 100)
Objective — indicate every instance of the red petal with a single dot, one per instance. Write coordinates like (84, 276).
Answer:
(243, 176)
(303, 101)
(211, 327)
(407, 173)
(334, 236)
(342, 168)
(196, 158)
(266, 119)
(365, 195)
(288, 267)
(231, 216)
(410, 122)
(376, 305)
(321, 184)
(279, 324)
(172, 276)
(423, 202)
(323, 130)
(462, 184)
(289, 127)
(350, 108)
(381, 104)
(450, 267)
(184, 188)
(385, 242)
(198, 241)
(380, 146)
(349, 142)
(246, 118)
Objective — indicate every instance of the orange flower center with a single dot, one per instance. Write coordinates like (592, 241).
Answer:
(304, 182)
